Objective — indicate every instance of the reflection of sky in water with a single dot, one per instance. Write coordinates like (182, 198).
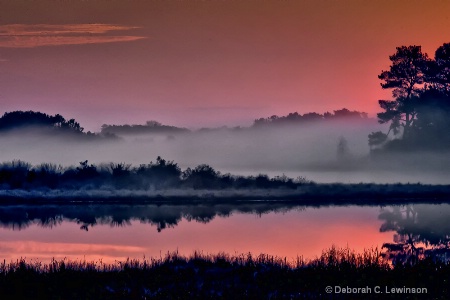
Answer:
(287, 234)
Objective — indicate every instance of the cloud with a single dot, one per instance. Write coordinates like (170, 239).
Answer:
(34, 41)
(37, 35)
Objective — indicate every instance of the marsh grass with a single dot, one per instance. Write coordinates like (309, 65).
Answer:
(220, 276)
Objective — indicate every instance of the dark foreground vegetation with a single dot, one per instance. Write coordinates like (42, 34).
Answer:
(226, 277)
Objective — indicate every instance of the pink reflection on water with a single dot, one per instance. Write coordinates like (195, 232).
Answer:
(290, 234)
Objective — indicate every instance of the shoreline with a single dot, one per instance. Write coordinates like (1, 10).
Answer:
(358, 194)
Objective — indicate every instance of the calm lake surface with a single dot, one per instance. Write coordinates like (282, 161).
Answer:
(117, 232)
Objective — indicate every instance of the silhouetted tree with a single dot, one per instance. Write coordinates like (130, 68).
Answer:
(202, 176)
(262, 181)
(45, 174)
(163, 173)
(342, 149)
(346, 114)
(405, 77)
(73, 125)
(86, 171)
(377, 139)
(18, 119)
(439, 73)
(120, 169)
(421, 106)
(14, 175)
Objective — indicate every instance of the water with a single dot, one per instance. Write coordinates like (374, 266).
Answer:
(117, 232)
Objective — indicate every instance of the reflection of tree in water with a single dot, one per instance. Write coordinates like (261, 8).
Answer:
(422, 230)
(51, 222)
(14, 219)
(204, 214)
(20, 217)
(115, 221)
(162, 221)
(119, 215)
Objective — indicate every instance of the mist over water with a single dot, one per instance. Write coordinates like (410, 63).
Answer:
(335, 151)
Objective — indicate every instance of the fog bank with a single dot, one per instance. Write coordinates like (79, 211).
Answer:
(324, 152)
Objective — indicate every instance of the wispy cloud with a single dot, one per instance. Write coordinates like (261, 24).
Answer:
(35, 41)
(37, 35)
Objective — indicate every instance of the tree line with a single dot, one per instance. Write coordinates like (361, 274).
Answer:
(161, 174)
(26, 119)
(296, 118)
(419, 114)
(149, 127)
(20, 119)
(45, 123)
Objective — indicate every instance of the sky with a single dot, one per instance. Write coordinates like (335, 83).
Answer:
(205, 63)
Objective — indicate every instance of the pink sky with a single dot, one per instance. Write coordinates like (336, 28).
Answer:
(205, 63)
